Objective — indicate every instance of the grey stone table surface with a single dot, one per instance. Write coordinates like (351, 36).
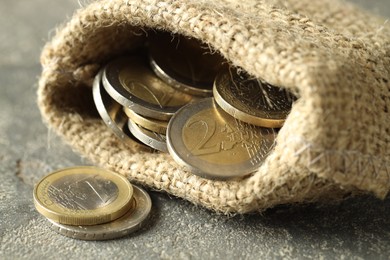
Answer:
(358, 228)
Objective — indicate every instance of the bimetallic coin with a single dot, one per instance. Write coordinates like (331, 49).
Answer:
(152, 139)
(151, 124)
(112, 113)
(83, 196)
(184, 63)
(134, 85)
(133, 220)
(215, 145)
(252, 100)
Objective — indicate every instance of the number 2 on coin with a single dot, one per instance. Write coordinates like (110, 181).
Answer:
(209, 126)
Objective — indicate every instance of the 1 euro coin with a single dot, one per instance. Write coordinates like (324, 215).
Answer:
(83, 196)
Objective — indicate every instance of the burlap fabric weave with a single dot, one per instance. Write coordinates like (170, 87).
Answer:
(335, 142)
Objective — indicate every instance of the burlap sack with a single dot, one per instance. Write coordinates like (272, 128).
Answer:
(335, 142)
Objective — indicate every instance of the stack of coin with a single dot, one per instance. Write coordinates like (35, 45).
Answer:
(90, 203)
(217, 122)
(137, 92)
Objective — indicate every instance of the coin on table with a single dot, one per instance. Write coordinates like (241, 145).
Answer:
(184, 63)
(133, 84)
(112, 113)
(152, 139)
(83, 196)
(131, 221)
(251, 100)
(151, 124)
(212, 144)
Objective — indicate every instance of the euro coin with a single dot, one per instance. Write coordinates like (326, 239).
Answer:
(131, 221)
(251, 100)
(152, 139)
(212, 144)
(133, 84)
(151, 124)
(111, 113)
(184, 63)
(83, 196)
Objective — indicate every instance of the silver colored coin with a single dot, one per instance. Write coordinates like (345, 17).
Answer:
(133, 220)
(112, 113)
(214, 145)
(152, 139)
(184, 63)
(133, 84)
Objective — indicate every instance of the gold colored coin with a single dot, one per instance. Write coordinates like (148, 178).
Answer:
(83, 196)
(214, 145)
(251, 100)
(151, 124)
(133, 84)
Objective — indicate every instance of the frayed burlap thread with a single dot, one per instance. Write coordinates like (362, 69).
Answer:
(336, 140)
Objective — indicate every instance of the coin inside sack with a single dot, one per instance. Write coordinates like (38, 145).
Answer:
(152, 139)
(133, 84)
(131, 221)
(251, 100)
(184, 63)
(83, 196)
(112, 114)
(224, 137)
(151, 124)
(212, 144)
